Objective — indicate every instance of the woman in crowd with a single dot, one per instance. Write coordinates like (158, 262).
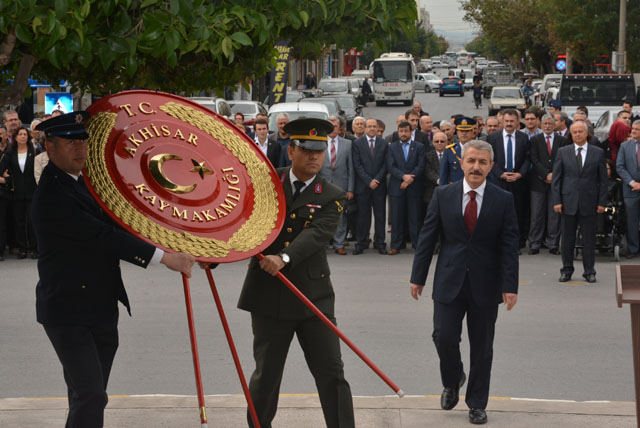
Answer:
(618, 134)
(21, 159)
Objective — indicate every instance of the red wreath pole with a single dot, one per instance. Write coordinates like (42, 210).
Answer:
(335, 329)
(232, 348)
(194, 351)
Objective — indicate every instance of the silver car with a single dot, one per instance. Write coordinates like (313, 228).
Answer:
(426, 82)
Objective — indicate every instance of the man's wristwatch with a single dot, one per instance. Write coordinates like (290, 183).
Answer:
(285, 258)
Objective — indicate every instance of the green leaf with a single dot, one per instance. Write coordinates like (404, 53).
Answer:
(173, 40)
(242, 38)
(53, 57)
(323, 7)
(239, 12)
(85, 9)
(188, 47)
(227, 46)
(131, 65)
(50, 24)
(61, 7)
(23, 34)
(131, 44)
(147, 3)
(108, 6)
(174, 7)
(172, 59)
(36, 23)
(305, 17)
(262, 37)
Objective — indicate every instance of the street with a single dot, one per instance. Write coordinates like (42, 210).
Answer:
(562, 341)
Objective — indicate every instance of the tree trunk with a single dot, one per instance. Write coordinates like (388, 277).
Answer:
(15, 93)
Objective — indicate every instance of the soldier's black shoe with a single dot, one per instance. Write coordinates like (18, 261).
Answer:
(591, 278)
(477, 416)
(554, 251)
(564, 277)
(357, 251)
(450, 396)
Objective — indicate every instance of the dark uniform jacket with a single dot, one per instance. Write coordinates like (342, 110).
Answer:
(80, 251)
(310, 223)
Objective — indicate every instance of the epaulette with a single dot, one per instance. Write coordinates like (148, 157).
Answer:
(450, 145)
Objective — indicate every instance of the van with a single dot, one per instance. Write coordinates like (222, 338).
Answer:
(297, 111)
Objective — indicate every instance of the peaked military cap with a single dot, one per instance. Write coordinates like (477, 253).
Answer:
(70, 126)
(555, 103)
(309, 133)
(465, 123)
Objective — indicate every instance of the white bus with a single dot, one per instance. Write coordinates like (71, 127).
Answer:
(393, 78)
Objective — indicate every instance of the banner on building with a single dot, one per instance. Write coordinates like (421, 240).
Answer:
(280, 74)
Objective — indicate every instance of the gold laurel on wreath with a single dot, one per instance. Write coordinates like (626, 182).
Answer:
(250, 235)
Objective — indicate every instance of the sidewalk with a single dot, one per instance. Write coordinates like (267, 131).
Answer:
(303, 411)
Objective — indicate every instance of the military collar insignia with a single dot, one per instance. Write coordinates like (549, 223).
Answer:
(318, 188)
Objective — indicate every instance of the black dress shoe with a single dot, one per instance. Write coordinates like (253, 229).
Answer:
(357, 251)
(534, 251)
(450, 396)
(591, 278)
(477, 416)
(564, 277)
(554, 251)
(382, 251)
(34, 255)
(630, 255)
(22, 256)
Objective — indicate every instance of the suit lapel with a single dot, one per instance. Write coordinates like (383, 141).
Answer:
(458, 194)
(487, 205)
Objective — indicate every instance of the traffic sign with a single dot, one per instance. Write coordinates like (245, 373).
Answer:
(561, 64)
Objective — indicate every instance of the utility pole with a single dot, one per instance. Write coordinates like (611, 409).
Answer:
(620, 57)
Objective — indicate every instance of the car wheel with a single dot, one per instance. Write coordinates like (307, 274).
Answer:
(408, 102)
(462, 93)
(378, 103)
(441, 94)
(427, 89)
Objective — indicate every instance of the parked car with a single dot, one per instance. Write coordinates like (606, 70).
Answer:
(451, 85)
(603, 125)
(468, 77)
(356, 84)
(349, 104)
(250, 109)
(297, 111)
(506, 97)
(292, 96)
(218, 105)
(426, 82)
(335, 85)
(332, 105)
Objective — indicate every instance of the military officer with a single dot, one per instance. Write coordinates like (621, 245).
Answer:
(79, 267)
(450, 169)
(313, 211)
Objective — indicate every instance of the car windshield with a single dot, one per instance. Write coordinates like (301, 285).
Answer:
(333, 85)
(431, 77)
(347, 102)
(451, 80)
(293, 115)
(243, 108)
(596, 92)
(331, 104)
(392, 71)
(506, 93)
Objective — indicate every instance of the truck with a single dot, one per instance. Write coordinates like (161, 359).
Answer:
(597, 92)
(501, 75)
(393, 78)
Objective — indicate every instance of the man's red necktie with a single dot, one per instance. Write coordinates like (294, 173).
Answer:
(333, 154)
(549, 144)
(471, 212)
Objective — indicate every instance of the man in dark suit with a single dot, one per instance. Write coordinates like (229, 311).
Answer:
(313, 211)
(405, 163)
(337, 169)
(544, 148)
(370, 165)
(416, 134)
(512, 160)
(270, 147)
(426, 126)
(432, 166)
(477, 270)
(579, 187)
(79, 266)
(628, 169)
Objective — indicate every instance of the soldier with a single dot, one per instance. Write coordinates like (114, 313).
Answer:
(313, 211)
(79, 266)
(450, 169)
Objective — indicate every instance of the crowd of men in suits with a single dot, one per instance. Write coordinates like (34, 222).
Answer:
(390, 179)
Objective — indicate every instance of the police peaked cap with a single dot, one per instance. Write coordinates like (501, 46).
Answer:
(70, 126)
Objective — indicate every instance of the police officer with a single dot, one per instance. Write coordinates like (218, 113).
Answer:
(450, 167)
(312, 215)
(80, 283)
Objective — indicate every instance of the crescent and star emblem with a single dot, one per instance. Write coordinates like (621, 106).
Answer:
(155, 166)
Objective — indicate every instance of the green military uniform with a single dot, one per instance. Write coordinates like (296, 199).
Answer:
(276, 313)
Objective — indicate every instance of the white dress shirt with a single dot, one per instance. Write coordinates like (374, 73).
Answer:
(264, 147)
(293, 178)
(513, 147)
(584, 151)
(550, 138)
(479, 194)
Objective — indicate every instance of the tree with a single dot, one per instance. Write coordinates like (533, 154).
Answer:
(177, 45)
(484, 46)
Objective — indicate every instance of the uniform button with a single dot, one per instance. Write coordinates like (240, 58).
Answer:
(84, 286)
(289, 229)
(286, 244)
(293, 215)
(322, 276)
(467, 269)
(310, 216)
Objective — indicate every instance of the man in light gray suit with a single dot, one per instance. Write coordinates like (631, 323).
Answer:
(338, 170)
(579, 192)
(628, 169)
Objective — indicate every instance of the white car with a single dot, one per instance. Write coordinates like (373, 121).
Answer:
(297, 111)
(506, 97)
(426, 82)
(219, 105)
(468, 77)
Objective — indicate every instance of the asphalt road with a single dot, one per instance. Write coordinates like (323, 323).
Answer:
(562, 341)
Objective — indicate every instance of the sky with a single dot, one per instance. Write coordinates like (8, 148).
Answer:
(446, 18)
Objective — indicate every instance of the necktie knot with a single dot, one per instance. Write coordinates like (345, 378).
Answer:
(298, 185)
(472, 195)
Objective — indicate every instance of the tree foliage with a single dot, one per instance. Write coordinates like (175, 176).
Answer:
(544, 28)
(177, 45)
(485, 46)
